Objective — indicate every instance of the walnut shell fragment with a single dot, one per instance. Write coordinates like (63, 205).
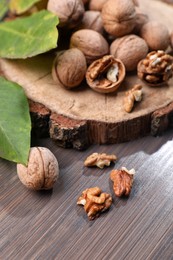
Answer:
(156, 69)
(106, 74)
(122, 181)
(100, 160)
(94, 201)
(42, 170)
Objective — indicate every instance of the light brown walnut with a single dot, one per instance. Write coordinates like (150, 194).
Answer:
(122, 181)
(69, 68)
(100, 160)
(91, 43)
(94, 201)
(69, 12)
(130, 49)
(42, 170)
(119, 17)
(156, 35)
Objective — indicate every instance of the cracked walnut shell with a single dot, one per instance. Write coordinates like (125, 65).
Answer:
(100, 160)
(156, 69)
(122, 181)
(42, 170)
(105, 75)
(94, 201)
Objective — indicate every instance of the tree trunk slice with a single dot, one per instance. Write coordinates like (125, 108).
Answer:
(80, 117)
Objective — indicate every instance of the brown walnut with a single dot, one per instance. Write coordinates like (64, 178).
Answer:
(156, 69)
(105, 75)
(119, 17)
(94, 201)
(156, 35)
(91, 20)
(69, 68)
(69, 12)
(42, 170)
(130, 49)
(91, 43)
(122, 181)
(96, 5)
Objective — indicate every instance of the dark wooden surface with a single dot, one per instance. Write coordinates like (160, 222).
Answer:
(49, 225)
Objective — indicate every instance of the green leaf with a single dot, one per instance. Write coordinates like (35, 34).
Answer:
(29, 36)
(15, 122)
(20, 6)
(3, 8)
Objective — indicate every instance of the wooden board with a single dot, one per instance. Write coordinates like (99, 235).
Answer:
(80, 117)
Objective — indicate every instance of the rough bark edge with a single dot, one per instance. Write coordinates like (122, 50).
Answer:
(79, 134)
(161, 120)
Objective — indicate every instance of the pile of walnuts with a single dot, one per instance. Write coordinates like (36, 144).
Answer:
(91, 29)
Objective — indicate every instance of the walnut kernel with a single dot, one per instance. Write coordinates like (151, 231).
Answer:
(94, 201)
(122, 181)
(134, 94)
(100, 160)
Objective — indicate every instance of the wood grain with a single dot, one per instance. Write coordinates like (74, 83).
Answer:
(102, 115)
(49, 225)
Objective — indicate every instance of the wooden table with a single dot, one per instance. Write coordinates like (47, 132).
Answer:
(49, 224)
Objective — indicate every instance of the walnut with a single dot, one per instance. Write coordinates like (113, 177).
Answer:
(134, 94)
(122, 181)
(141, 19)
(105, 75)
(69, 68)
(91, 43)
(130, 49)
(69, 12)
(119, 17)
(96, 5)
(156, 35)
(91, 20)
(95, 202)
(100, 160)
(156, 68)
(42, 170)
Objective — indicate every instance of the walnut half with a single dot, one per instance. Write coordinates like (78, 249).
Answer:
(100, 160)
(122, 181)
(106, 74)
(94, 202)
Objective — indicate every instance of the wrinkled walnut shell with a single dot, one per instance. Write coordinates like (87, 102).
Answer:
(96, 5)
(119, 17)
(106, 74)
(91, 43)
(42, 170)
(130, 49)
(69, 12)
(156, 35)
(69, 68)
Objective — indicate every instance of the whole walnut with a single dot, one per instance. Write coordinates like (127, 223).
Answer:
(96, 5)
(171, 39)
(91, 43)
(119, 17)
(69, 68)
(69, 12)
(42, 170)
(91, 20)
(156, 35)
(130, 49)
